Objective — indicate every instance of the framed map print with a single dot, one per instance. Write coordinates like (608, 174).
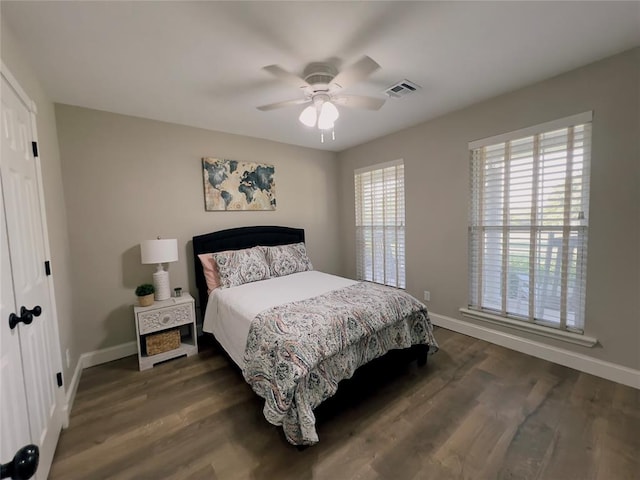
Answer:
(233, 185)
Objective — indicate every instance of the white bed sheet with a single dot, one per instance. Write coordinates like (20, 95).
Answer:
(230, 310)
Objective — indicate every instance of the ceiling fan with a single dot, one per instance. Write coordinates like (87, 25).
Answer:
(321, 87)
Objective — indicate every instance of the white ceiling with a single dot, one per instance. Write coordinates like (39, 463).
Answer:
(200, 63)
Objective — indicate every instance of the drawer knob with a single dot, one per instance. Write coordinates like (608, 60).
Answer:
(166, 319)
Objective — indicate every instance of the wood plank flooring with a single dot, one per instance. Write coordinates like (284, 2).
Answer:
(476, 411)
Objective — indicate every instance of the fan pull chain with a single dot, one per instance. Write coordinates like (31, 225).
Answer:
(333, 135)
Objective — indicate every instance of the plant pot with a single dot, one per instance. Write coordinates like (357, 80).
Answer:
(146, 300)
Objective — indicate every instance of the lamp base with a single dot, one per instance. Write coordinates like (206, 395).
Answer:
(161, 285)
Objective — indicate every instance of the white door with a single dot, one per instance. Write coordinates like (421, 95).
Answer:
(14, 421)
(38, 341)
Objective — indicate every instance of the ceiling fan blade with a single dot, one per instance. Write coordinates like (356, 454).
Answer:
(286, 76)
(357, 101)
(286, 103)
(356, 72)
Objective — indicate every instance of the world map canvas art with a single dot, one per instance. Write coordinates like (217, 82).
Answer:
(233, 185)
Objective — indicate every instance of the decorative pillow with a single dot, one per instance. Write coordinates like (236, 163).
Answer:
(237, 267)
(210, 269)
(288, 259)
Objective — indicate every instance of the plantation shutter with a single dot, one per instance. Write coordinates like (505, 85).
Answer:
(380, 232)
(528, 223)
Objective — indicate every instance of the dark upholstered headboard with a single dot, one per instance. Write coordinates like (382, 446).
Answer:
(236, 239)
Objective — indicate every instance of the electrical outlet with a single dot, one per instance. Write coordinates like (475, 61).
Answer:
(427, 296)
(68, 358)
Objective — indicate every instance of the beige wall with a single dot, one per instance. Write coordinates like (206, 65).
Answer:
(128, 179)
(437, 184)
(53, 192)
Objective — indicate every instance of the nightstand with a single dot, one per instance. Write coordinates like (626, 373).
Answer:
(163, 316)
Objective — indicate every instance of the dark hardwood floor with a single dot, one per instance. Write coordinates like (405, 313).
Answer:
(476, 411)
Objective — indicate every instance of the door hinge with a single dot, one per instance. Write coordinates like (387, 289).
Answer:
(34, 146)
(47, 268)
(59, 378)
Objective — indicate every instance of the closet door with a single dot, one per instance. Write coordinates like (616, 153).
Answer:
(38, 342)
(14, 421)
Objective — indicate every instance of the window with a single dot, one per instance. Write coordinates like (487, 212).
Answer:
(529, 223)
(380, 223)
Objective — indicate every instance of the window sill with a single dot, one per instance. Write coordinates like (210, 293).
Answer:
(562, 335)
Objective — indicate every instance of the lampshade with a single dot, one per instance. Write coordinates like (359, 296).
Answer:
(159, 251)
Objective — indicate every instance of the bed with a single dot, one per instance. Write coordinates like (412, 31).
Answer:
(295, 336)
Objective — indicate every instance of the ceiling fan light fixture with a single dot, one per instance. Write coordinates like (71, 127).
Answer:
(321, 85)
(308, 116)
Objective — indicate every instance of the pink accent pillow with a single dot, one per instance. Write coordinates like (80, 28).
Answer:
(210, 268)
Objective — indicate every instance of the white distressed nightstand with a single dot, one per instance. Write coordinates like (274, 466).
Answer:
(176, 312)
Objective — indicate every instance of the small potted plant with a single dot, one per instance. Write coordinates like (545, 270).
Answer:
(145, 294)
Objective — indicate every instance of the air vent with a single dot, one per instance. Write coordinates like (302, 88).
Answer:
(402, 88)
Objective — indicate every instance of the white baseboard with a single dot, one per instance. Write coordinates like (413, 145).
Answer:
(584, 363)
(91, 359)
(104, 355)
(72, 388)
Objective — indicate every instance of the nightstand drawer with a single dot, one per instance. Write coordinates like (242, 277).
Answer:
(163, 318)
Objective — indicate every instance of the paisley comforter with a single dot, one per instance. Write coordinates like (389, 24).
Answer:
(297, 353)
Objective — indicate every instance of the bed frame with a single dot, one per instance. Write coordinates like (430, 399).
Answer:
(237, 239)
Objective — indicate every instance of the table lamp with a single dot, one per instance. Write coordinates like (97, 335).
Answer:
(160, 251)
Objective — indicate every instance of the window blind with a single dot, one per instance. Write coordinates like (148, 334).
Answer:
(528, 225)
(380, 230)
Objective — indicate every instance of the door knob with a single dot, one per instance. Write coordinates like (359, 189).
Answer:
(35, 311)
(23, 465)
(26, 316)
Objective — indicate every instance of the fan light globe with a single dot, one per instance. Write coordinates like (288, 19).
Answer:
(308, 116)
(324, 124)
(328, 115)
